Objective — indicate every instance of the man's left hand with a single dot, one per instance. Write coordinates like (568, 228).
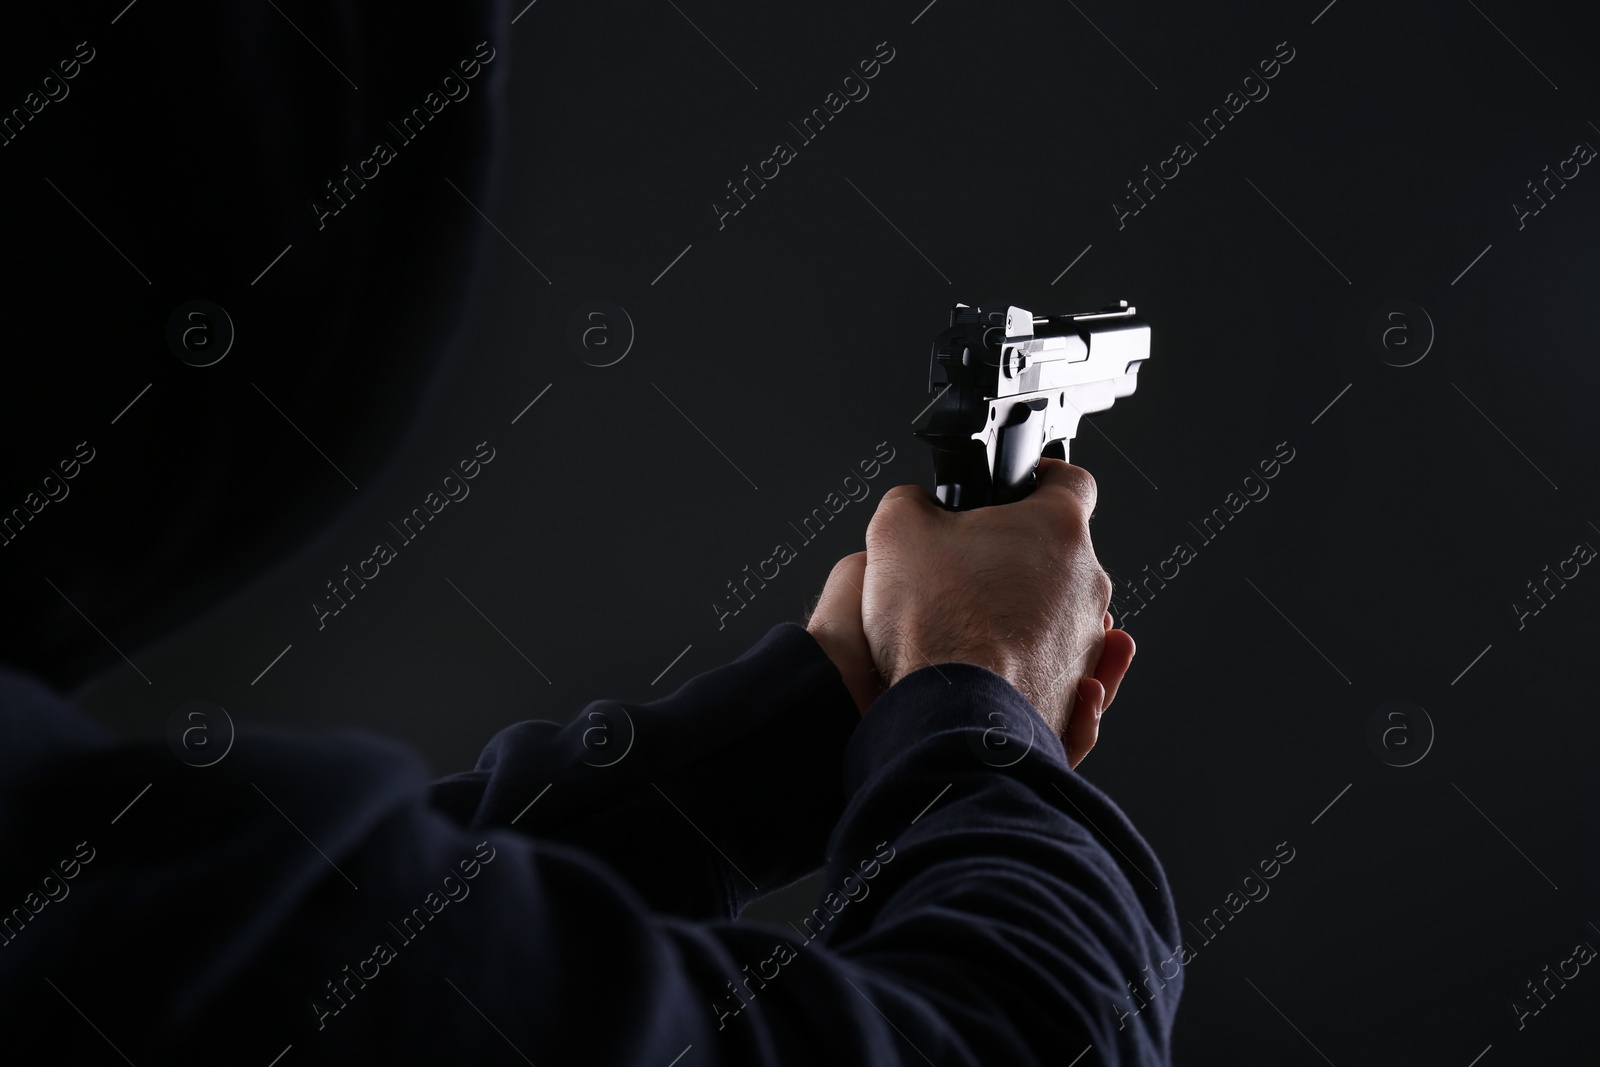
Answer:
(836, 624)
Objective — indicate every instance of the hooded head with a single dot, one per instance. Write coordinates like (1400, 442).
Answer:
(237, 285)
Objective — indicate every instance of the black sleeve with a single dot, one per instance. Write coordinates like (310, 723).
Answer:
(986, 906)
(702, 801)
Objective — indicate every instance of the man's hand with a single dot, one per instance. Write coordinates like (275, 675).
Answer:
(836, 624)
(1015, 588)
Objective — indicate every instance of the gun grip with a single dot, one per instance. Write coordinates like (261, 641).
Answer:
(962, 478)
(1019, 444)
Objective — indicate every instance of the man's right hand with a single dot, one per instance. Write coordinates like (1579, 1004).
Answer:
(1014, 588)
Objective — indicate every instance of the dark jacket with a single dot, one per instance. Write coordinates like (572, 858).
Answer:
(569, 900)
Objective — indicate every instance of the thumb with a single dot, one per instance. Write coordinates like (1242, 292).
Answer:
(1083, 728)
(835, 623)
(840, 600)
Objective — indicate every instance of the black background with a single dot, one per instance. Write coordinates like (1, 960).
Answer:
(985, 159)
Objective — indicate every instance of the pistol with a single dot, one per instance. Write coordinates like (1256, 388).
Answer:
(1010, 386)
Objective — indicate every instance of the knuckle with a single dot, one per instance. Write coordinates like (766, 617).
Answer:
(848, 565)
(899, 507)
(1075, 484)
(1067, 513)
(1086, 481)
(903, 493)
(1103, 587)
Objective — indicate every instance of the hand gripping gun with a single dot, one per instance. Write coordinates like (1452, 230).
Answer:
(1010, 387)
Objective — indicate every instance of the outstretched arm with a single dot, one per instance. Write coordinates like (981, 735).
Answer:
(703, 800)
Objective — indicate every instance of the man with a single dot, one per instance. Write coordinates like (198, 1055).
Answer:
(986, 904)
(323, 902)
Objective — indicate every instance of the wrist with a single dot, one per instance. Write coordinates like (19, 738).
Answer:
(852, 658)
(1001, 662)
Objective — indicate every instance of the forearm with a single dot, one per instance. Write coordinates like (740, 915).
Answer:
(1020, 901)
(704, 799)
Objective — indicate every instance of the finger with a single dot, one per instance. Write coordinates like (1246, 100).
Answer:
(920, 493)
(901, 512)
(1083, 728)
(1057, 476)
(836, 625)
(811, 609)
(1106, 622)
(1115, 657)
(841, 593)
